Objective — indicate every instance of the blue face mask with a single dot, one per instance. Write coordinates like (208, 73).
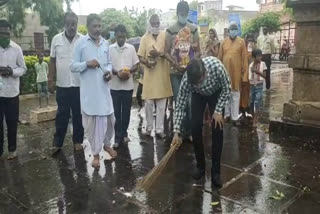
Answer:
(233, 33)
(182, 19)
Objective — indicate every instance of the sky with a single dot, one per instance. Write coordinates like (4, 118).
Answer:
(85, 7)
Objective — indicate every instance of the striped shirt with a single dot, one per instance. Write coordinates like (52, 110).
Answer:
(217, 79)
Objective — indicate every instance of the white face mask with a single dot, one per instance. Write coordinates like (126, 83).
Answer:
(155, 30)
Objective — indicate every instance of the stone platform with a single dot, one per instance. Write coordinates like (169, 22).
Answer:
(43, 114)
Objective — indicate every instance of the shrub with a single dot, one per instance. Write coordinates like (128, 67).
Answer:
(271, 20)
(28, 82)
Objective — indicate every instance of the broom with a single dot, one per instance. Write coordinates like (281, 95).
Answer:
(152, 176)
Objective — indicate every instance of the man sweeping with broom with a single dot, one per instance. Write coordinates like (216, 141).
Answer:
(209, 83)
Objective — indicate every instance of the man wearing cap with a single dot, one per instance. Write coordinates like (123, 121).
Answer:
(12, 67)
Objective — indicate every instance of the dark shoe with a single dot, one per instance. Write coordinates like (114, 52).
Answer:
(116, 145)
(216, 181)
(54, 151)
(198, 174)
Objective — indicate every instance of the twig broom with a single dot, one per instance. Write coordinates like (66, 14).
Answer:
(152, 176)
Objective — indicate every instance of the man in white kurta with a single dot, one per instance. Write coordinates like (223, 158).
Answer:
(92, 60)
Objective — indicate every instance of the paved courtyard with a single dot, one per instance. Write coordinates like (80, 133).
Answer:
(261, 173)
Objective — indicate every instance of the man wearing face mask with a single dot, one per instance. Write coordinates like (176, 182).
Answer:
(190, 48)
(91, 59)
(208, 82)
(12, 67)
(233, 54)
(156, 81)
(67, 83)
(124, 62)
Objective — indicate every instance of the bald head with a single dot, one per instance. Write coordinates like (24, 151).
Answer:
(154, 21)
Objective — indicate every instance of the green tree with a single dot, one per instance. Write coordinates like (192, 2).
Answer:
(134, 20)
(194, 5)
(271, 20)
(141, 19)
(68, 3)
(50, 11)
(82, 29)
(113, 16)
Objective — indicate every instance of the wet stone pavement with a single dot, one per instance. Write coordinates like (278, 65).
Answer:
(255, 166)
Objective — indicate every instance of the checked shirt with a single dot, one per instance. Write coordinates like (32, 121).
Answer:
(217, 78)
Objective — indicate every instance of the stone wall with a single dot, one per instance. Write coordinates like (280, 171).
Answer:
(305, 104)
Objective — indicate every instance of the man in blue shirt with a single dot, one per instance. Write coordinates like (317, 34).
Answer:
(92, 60)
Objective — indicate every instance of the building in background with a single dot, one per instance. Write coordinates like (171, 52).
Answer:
(205, 6)
(220, 19)
(270, 5)
(288, 27)
(34, 35)
(212, 11)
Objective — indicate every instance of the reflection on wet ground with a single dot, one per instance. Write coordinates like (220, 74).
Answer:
(255, 167)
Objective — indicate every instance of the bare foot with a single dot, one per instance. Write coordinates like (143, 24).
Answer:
(111, 152)
(12, 155)
(96, 161)
(78, 147)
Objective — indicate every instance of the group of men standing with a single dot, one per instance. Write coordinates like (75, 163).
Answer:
(93, 81)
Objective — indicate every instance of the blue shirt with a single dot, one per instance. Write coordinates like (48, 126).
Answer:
(95, 94)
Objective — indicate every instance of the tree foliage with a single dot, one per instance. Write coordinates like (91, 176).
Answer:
(114, 17)
(271, 20)
(134, 20)
(194, 5)
(68, 3)
(50, 11)
(82, 29)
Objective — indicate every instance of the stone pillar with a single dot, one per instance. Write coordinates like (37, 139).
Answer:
(303, 110)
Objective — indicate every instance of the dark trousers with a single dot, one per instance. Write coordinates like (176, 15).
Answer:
(138, 95)
(68, 99)
(122, 102)
(267, 59)
(199, 103)
(9, 108)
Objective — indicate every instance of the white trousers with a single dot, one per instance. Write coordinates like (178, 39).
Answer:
(232, 107)
(99, 130)
(161, 110)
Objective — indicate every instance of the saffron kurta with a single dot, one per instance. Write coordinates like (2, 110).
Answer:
(156, 80)
(233, 54)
